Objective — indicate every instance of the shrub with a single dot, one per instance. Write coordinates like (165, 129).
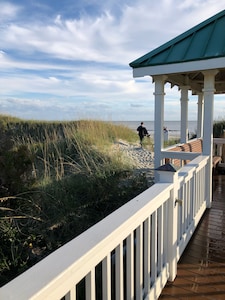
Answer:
(218, 129)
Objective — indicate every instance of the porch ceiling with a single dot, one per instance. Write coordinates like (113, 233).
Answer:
(195, 80)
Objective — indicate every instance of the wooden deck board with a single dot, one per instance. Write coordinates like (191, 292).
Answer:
(201, 269)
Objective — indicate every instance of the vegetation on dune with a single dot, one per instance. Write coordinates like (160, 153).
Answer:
(219, 129)
(56, 180)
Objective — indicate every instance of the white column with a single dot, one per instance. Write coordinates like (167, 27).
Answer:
(209, 89)
(200, 116)
(184, 114)
(158, 120)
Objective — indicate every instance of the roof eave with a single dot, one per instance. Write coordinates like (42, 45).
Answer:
(181, 67)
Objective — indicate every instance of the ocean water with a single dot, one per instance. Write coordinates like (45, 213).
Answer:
(172, 126)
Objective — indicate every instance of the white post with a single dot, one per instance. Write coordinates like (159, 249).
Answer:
(207, 149)
(200, 116)
(172, 226)
(159, 120)
(184, 114)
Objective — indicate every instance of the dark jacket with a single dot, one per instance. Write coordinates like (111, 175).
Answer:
(142, 131)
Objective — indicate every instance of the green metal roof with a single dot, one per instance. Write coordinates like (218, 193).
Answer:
(204, 41)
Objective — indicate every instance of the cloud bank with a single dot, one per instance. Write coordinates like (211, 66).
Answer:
(71, 60)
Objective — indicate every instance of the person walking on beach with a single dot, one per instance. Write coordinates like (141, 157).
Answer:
(142, 132)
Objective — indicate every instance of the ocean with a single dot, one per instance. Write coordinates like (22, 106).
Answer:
(173, 127)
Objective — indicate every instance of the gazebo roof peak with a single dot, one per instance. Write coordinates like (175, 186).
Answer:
(184, 58)
(205, 40)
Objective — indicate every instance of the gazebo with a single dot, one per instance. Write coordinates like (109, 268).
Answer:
(193, 61)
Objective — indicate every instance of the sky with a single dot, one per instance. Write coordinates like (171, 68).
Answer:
(69, 59)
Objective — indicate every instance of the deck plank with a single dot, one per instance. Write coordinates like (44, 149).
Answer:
(201, 269)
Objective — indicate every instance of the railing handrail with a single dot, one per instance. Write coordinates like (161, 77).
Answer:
(100, 238)
(219, 141)
(179, 155)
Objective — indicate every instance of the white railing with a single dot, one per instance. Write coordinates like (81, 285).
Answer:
(194, 199)
(181, 157)
(129, 254)
(218, 146)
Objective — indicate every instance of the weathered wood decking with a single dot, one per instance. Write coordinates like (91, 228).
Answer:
(201, 269)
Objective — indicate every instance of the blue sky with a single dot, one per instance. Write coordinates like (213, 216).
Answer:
(69, 59)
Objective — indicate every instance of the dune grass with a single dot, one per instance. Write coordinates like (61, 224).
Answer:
(56, 180)
(62, 177)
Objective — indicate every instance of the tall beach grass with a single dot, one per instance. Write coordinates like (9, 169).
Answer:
(74, 177)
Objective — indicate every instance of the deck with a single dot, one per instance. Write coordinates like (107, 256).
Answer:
(201, 269)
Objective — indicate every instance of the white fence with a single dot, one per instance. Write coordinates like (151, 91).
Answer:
(131, 253)
(218, 147)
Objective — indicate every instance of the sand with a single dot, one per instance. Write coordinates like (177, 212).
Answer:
(140, 158)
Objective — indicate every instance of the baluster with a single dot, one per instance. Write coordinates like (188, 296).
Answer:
(106, 278)
(71, 295)
(160, 239)
(147, 244)
(90, 285)
(130, 266)
(119, 271)
(139, 262)
(154, 248)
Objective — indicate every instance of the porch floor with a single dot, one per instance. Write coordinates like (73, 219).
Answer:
(201, 269)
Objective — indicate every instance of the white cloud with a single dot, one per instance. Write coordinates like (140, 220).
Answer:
(8, 11)
(58, 20)
(86, 56)
(105, 38)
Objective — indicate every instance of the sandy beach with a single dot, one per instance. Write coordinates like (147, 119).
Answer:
(140, 158)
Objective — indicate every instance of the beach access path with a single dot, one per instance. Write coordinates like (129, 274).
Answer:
(141, 159)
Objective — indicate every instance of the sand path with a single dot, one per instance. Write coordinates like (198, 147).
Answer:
(141, 158)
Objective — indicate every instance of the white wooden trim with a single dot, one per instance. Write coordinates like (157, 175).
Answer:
(139, 262)
(159, 120)
(90, 285)
(184, 114)
(147, 246)
(200, 115)
(130, 267)
(200, 65)
(119, 271)
(106, 277)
